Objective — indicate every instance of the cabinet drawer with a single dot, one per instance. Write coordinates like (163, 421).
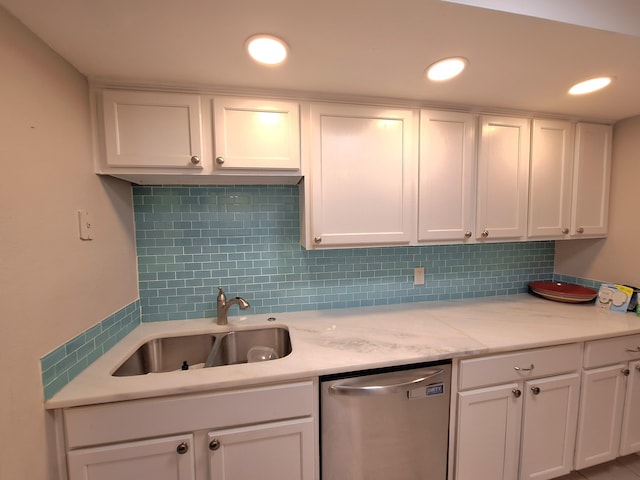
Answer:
(599, 353)
(515, 366)
(130, 420)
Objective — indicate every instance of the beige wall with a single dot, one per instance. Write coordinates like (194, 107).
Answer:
(617, 258)
(52, 285)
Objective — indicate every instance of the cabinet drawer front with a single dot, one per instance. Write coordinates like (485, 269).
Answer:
(122, 421)
(599, 353)
(510, 367)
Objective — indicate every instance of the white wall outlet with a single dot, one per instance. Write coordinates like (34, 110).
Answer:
(84, 223)
(418, 276)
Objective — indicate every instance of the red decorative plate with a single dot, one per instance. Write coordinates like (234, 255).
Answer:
(563, 292)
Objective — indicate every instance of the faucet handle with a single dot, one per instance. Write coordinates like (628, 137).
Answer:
(221, 296)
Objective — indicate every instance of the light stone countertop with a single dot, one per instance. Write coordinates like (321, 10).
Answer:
(335, 341)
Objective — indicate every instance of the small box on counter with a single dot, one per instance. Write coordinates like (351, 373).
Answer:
(614, 297)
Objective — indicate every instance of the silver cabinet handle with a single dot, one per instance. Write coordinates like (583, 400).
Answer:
(519, 369)
(317, 239)
(485, 233)
(580, 230)
(467, 234)
(362, 390)
(516, 392)
(633, 350)
(565, 231)
(214, 444)
(220, 160)
(195, 160)
(625, 372)
(535, 390)
(182, 448)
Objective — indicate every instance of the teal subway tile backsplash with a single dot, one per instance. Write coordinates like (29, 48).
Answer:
(192, 239)
(64, 363)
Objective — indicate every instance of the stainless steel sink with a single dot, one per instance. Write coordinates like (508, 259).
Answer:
(207, 350)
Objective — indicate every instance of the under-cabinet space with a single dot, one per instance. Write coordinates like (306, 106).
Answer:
(609, 424)
(517, 414)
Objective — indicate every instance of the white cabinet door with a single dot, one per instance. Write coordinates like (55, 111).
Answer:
(503, 178)
(551, 179)
(549, 423)
(256, 134)
(601, 406)
(592, 165)
(169, 458)
(488, 434)
(362, 184)
(282, 450)
(630, 440)
(446, 191)
(152, 130)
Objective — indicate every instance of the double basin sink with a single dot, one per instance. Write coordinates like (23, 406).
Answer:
(206, 350)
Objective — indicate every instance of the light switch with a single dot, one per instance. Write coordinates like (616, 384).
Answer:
(418, 276)
(84, 222)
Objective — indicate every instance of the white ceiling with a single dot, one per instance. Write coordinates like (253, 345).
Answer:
(362, 48)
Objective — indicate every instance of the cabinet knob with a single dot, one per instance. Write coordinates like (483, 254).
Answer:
(317, 239)
(516, 392)
(183, 448)
(580, 230)
(625, 372)
(214, 444)
(485, 233)
(220, 160)
(565, 231)
(467, 234)
(195, 159)
(535, 390)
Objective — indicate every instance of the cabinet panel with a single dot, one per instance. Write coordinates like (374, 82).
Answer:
(256, 134)
(503, 178)
(551, 178)
(592, 164)
(488, 436)
(630, 439)
(362, 181)
(601, 403)
(157, 459)
(282, 451)
(152, 130)
(446, 189)
(549, 426)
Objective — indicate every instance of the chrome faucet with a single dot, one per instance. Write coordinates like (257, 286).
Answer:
(223, 306)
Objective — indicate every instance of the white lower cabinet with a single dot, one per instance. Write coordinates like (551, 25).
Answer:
(609, 424)
(276, 450)
(168, 458)
(523, 427)
(265, 432)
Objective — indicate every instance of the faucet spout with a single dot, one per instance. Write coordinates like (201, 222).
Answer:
(223, 306)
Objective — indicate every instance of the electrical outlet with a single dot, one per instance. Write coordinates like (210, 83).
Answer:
(418, 276)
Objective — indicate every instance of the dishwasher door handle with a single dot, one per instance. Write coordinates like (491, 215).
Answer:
(361, 390)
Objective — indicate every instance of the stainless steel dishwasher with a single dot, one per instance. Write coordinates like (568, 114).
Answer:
(386, 424)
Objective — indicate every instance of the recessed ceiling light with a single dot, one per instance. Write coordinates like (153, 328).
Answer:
(446, 69)
(590, 85)
(267, 49)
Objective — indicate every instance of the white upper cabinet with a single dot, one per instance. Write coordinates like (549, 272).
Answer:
(503, 178)
(151, 130)
(592, 171)
(551, 179)
(362, 174)
(446, 191)
(256, 134)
